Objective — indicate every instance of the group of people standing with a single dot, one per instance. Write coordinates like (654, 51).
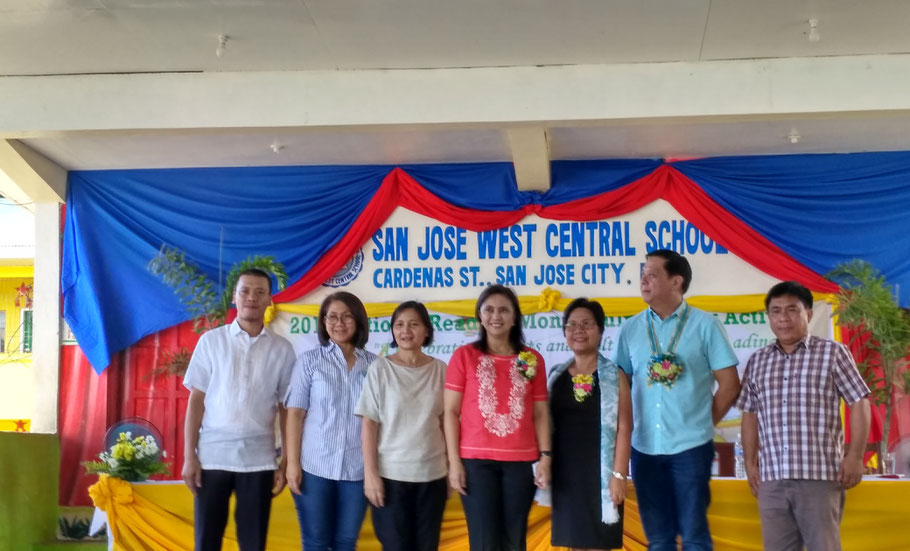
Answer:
(397, 433)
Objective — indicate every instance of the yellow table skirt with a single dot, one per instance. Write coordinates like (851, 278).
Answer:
(159, 516)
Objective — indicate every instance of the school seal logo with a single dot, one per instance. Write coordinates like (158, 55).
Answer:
(347, 273)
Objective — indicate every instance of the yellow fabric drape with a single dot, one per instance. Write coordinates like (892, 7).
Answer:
(550, 299)
(140, 524)
(159, 516)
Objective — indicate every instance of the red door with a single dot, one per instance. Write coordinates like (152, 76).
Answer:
(158, 398)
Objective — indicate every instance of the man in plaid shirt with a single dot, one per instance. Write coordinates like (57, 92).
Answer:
(791, 427)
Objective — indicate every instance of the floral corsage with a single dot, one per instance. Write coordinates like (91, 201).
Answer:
(526, 364)
(664, 369)
(582, 385)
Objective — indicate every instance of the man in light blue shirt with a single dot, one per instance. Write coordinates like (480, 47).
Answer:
(674, 354)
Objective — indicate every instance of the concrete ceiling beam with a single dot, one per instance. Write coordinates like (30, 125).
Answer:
(27, 177)
(547, 95)
(531, 157)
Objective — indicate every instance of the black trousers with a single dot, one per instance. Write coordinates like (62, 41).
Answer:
(412, 516)
(498, 500)
(251, 515)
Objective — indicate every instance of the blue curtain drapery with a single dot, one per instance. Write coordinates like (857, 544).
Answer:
(820, 209)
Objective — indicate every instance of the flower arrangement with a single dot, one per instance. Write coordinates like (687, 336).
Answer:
(664, 369)
(526, 364)
(582, 385)
(130, 459)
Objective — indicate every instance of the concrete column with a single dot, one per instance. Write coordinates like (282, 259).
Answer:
(46, 317)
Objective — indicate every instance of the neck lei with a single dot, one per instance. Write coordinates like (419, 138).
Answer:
(677, 333)
(665, 367)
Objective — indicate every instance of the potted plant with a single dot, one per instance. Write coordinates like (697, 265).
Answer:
(867, 304)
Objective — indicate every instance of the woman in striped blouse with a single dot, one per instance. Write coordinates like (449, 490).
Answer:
(325, 462)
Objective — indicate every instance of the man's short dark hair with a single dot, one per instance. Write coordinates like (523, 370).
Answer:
(362, 323)
(257, 273)
(591, 306)
(790, 288)
(421, 313)
(675, 264)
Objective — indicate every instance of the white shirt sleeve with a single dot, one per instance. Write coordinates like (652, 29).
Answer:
(199, 373)
(287, 360)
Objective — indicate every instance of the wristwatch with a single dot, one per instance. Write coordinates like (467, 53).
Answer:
(620, 476)
(546, 453)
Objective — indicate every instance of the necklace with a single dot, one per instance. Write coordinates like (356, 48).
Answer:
(665, 367)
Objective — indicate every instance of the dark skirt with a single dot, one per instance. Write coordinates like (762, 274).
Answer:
(576, 471)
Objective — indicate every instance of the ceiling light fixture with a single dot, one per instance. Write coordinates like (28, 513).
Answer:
(814, 35)
(222, 44)
(794, 136)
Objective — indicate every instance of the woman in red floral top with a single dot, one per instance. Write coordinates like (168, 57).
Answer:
(497, 425)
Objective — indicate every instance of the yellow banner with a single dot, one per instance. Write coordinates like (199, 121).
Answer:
(550, 299)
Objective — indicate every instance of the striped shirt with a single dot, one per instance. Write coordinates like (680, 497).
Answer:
(797, 400)
(323, 386)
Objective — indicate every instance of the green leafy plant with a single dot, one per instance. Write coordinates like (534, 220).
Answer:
(867, 304)
(197, 293)
(193, 288)
(173, 362)
(267, 264)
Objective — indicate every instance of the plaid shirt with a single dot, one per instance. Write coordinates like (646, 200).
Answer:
(797, 400)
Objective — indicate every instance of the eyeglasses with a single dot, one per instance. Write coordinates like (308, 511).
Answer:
(586, 325)
(332, 319)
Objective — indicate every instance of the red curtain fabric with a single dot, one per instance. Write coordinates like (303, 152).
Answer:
(400, 189)
(82, 421)
(376, 212)
(900, 417)
(697, 207)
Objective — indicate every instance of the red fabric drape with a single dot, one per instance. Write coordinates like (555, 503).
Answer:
(82, 421)
(697, 207)
(416, 198)
(397, 189)
(377, 211)
(400, 189)
(900, 416)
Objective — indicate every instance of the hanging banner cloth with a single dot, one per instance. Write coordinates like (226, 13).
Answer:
(792, 217)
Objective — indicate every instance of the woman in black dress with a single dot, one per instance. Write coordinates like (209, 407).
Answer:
(592, 425)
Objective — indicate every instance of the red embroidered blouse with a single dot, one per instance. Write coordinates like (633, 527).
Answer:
(497, 408)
